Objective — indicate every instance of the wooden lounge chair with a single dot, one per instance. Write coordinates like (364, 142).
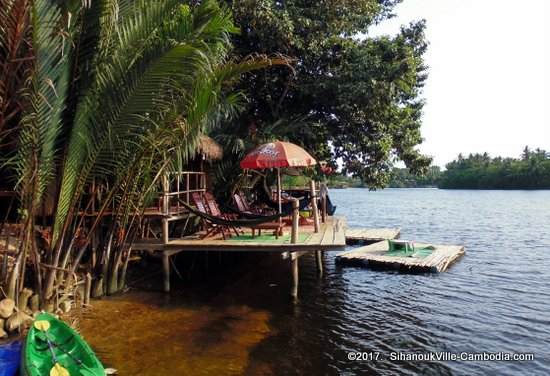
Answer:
(242, 206)
(214, 210)
(211, 228)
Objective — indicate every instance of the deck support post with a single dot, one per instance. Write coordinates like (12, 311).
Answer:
(295, 276)
(166, 271)
(319, 261)
(314, 206)
(165, 231)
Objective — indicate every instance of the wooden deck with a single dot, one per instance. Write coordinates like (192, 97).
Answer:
(371, 235)
(331, 236)
(374, 256)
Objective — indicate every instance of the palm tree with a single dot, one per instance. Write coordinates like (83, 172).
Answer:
(115, 89)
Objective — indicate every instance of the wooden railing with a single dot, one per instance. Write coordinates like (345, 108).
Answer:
(177, 187)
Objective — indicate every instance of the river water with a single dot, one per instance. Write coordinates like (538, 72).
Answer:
(236, 317)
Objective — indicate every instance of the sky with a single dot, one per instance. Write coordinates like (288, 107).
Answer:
(489, 75)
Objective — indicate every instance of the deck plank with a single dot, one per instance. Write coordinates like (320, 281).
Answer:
(328, 236)
(371, 235)
(340, 232)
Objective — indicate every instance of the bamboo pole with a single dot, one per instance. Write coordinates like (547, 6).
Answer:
(279, 190)
(87, 289)
(294, 257)
(165, 209)
(187, 188)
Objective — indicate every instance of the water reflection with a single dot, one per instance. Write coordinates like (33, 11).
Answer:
(237, 318)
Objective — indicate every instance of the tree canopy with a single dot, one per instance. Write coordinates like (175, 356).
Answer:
(97, 100)
(350, 97)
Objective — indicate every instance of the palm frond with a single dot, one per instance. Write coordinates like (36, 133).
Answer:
(41, 121)
(15, 60)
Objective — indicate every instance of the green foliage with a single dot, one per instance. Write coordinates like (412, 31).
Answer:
(344, 181)
(355, 100)
(480, 171)
(403, 178)
(115, 93)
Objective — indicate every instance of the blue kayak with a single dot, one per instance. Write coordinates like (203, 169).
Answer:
(10, 357)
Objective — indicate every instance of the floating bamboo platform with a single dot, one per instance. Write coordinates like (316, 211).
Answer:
(375, 256)
(370, 235)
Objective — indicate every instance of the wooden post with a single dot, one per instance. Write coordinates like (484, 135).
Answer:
(314, 206)
(323, 192)
(166, 271)
(178, 189)
(187, 188)
(295, 221)
(87, 289)
(165, 209)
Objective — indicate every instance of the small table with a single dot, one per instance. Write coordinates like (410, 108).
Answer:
(277, 226)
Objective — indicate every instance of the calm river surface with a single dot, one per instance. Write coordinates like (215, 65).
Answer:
(238, 319)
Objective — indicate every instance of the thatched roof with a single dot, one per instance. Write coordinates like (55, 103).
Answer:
(209, 148)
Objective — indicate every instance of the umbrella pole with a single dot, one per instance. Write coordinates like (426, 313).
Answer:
(279, 190)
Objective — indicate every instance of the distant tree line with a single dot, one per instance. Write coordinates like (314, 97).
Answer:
(398, 178)
(476, 171)
(403, 178)
(480, 171)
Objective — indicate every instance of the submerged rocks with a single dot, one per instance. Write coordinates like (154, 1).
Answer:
(18, 321)
(7, 306)
(65, 306)
(15, 318)
(3, 333)
(24, 296)
(34, 303)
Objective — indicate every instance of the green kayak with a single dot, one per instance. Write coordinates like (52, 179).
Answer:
(53, 348)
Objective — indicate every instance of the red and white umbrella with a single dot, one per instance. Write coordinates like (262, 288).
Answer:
(276, 155)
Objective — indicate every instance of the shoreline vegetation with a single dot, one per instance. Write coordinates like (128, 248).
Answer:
(530, 171)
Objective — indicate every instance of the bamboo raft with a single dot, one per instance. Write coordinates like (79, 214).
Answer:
(375, 256)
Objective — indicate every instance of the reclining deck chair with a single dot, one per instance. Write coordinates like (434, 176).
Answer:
(244, 206)
(214, 210)
(217, 222)
(211, 227)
